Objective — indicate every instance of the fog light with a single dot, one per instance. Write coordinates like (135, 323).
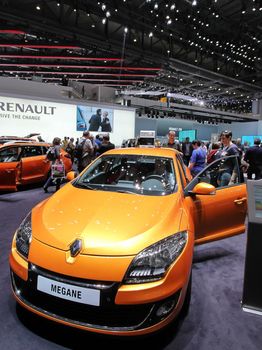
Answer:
(166, 308)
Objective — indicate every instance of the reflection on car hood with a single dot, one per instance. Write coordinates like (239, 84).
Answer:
(109, 223)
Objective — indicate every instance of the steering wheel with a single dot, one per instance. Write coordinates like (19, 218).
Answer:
(154, 177)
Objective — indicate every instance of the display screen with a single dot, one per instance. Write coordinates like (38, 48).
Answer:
(250, 139)
(94, 119)
(187, 133)
(146, 141)
(258, 201)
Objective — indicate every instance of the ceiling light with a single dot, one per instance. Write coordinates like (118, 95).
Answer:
(38, 7)
(194, 3)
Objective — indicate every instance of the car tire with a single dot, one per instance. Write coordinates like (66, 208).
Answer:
(186, 305)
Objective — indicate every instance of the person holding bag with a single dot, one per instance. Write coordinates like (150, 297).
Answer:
(57, 166)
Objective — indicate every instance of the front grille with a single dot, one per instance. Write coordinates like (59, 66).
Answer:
(108, 315)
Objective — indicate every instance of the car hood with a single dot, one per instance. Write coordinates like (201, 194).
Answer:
(109, 223)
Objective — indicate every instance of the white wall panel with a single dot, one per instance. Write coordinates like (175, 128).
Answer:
(124, 126)
(20, 117)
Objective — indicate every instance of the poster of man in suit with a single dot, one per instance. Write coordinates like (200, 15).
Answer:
(94, 119)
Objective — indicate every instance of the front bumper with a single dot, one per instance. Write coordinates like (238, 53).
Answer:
(123, 309)
(107, 318)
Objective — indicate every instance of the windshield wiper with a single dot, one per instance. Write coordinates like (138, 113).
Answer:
(125, 191)
(83, 185)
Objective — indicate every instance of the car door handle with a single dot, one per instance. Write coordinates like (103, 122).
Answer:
(9, 171)
(240, 201)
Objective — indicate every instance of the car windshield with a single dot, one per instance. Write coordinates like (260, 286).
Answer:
(144, 175)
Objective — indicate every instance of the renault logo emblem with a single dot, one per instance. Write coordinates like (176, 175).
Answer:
(76, 247)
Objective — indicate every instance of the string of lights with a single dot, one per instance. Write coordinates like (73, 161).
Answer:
(220, 36)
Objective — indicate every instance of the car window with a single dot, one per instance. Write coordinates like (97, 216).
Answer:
(44, 149)
(31, 151)
(222, 173)
(138, 174)
(10, 154)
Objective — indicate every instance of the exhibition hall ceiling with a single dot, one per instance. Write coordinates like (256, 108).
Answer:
(210, 49)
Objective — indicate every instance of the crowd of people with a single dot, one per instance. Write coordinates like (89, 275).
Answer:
(82, 152)
(87, 148)
(196, 154)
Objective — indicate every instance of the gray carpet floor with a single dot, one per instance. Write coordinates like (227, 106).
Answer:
(215, 319)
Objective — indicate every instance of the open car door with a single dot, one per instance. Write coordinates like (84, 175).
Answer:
(218, 200)
(9, 163)
(34, 165)
(8, 172)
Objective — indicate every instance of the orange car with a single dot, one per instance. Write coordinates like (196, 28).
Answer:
(111, 252)
(23, 163)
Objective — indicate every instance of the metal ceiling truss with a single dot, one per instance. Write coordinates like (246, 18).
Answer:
(176, 48)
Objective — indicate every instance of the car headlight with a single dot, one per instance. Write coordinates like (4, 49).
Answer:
(152, 263)
(24, 236)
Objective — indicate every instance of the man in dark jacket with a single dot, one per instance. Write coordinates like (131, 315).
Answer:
(253, 157)
(172, 142)
(106, 145)
(187, 150)
(105, 124)
(95, 121)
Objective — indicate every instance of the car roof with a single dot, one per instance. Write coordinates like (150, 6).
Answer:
(15, 138)
(147, 151)
(7, 142)
(25, 143)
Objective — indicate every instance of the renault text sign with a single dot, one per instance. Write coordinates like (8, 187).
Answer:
(21, 117)
(26, 108)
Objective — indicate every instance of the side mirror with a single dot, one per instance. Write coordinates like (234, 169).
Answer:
(71, 175)
(203, 188)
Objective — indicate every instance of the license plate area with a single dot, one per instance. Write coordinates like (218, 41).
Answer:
(77, 294)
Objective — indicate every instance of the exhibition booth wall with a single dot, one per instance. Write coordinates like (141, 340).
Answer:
(203, 131)
(21, 116)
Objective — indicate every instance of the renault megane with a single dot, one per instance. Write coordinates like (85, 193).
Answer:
(111, 252)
